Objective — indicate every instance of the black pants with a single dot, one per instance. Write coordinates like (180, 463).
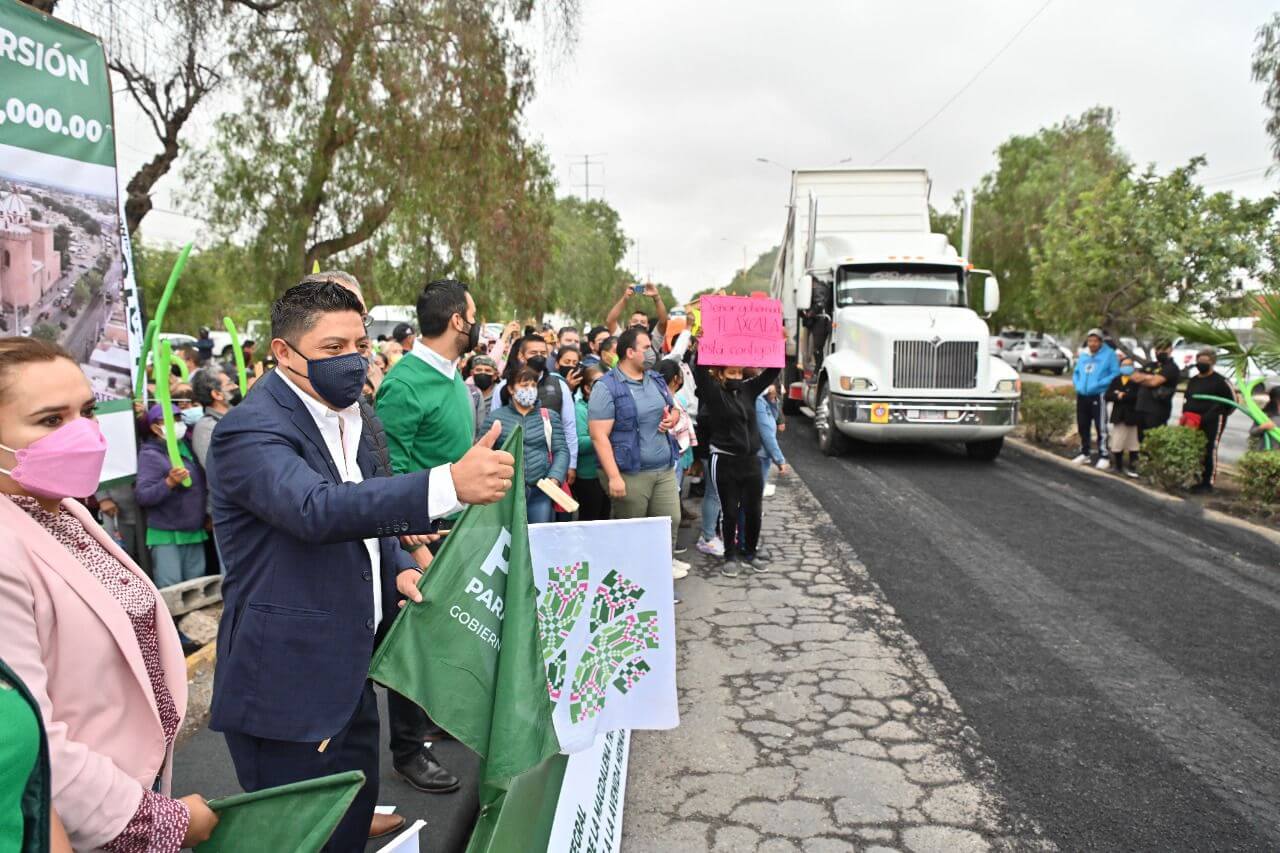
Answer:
(407, 727)
(1212, 427)
(737, 480)
(1091, 413)
(265, 763)
(593, 500)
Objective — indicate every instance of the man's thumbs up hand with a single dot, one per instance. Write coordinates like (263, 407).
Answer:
(484, 474)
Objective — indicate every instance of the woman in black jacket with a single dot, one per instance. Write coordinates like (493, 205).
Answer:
(727, 403)
(1122, 394)
(1213, 415)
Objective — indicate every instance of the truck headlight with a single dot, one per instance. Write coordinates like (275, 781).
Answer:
(1008, 386)
(857, 383)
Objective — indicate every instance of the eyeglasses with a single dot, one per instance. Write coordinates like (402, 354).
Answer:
(367, 320)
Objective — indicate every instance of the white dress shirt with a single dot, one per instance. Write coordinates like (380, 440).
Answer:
(341, 433)
(433, 358)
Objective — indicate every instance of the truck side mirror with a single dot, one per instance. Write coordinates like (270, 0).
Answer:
(990, 292)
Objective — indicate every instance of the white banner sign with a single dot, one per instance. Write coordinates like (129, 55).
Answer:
(607, 621)
(589, 811)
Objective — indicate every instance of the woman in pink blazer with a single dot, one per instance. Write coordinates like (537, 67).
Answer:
(81, 624)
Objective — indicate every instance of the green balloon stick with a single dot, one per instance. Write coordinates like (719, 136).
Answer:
(166, 406)
(239, 354)
(148, 341)
(184, 372)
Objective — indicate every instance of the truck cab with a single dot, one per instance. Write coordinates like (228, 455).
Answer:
(884, 343)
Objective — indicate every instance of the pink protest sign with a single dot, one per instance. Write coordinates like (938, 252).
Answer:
(741, 331)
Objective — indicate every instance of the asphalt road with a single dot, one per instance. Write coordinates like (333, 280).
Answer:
(1235, 440)
(1116, 656)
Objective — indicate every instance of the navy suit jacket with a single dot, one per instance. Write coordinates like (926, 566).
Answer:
(297, 631)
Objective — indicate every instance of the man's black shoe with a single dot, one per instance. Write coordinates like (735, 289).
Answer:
(425, 773)
(1201, 489)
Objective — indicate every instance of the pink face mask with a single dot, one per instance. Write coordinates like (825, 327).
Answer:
(66, 463)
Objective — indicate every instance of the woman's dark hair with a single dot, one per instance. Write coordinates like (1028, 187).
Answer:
(15, 352)
(668, 369)
(524, 374)
(1273, 402)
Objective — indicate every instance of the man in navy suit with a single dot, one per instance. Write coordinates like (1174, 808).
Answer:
(309, 539)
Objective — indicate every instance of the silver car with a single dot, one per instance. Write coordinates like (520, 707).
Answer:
(1036, 354)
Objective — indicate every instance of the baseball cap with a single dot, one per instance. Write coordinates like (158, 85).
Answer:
(483, 360)
(1096, 333)
(402, 331)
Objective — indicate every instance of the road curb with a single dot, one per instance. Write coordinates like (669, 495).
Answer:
(1174, 502)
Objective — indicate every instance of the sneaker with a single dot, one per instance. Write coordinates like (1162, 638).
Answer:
(731, 568)
(1103, 464)
(1131, 474)
(714, 547)
(769, 489)
(1082, 459)
(755, 564)
(679, 569)
(679, 549)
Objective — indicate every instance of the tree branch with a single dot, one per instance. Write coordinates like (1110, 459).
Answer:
(370, 221)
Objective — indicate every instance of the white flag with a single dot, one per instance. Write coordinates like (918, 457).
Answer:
(607, 621)
(407, 841)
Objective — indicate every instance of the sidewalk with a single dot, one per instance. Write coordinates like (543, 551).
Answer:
(810, 720)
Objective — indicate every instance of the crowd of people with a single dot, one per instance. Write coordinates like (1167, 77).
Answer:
(320, 495)
(1141, 394)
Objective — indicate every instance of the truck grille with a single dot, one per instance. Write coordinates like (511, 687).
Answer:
(922, 364)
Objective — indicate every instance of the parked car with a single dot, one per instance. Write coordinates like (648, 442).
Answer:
(1036, 354)
(1006, 338)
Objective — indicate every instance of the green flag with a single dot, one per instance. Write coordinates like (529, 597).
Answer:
(469, 653)
(296, 818)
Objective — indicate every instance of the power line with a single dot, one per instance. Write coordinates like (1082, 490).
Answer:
(969, 83)
(1245, 173)
(587, 163)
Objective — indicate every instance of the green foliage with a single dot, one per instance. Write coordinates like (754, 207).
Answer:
(1260, 477)
(587, 247)
(82, 292)
(45, 332)
(1047, 416)
(216, 282)
(756, 278)
(1173, 457)
(1034, 174)
(385, 138)
(1138, 243)
(1266, 70)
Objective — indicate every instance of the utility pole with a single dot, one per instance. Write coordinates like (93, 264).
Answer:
(587, 163)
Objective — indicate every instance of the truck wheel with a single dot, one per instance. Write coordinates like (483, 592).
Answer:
(984, 451)
(831, 441)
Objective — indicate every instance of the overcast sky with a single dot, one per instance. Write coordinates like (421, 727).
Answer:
(678, 99)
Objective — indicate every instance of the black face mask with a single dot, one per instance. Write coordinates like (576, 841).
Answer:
(483, 381)
(473, 337)
(733, 384)
(1162, 357)
(339, 379)
(1203, 366)
(234, 398)
(538, 363)
(565, 370)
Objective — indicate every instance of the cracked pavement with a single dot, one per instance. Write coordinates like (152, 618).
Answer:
(810, 720)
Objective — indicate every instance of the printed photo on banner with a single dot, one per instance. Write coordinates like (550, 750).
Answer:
(607, 624)
(741, 331)
(65, 271)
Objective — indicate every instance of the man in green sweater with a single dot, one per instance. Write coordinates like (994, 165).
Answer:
(429, 418)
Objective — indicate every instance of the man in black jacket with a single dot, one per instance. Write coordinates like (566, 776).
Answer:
(1213, 415)
(1156, 389)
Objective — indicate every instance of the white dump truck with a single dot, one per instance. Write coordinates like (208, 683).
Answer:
(882, 342)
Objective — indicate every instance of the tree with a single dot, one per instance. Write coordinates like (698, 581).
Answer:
(1125, 251)
(386, 134)
(587, 246)
(1266, 70)
(217, 282)
(1050, 168)
(45, 332)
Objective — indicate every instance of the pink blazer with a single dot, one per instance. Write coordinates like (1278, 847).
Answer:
(68, 639)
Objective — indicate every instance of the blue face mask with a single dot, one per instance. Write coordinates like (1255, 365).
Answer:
(1126, 370)
(192, 416)
(339, 380)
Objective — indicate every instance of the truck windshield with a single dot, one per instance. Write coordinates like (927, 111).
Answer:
(899, 286)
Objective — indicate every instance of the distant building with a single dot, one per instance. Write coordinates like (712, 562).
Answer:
(29, 265)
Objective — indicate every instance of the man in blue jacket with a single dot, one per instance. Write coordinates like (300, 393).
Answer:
(1095, 369)
(309, 539)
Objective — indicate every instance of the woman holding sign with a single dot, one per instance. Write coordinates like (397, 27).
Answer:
(80, 624)
(727, 402)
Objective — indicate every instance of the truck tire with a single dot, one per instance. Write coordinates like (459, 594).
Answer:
(831, 441)
(984, 451)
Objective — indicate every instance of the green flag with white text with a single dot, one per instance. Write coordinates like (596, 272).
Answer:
(469, 654)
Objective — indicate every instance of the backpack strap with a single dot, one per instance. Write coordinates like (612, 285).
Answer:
(546, 431)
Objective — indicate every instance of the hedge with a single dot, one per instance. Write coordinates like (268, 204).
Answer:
(1173, 457)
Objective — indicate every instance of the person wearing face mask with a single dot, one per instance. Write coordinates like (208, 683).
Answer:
(1095, 368)
(81, 625)
(1210, 415)
(727, 402)
(546, 454)
(1157, 385)
(310, 537)
(609, 352)
(554, 392)
(215, 392)
(593, 500)
(484, 373)
(631, 416)
(175, 513)
(1122, 394)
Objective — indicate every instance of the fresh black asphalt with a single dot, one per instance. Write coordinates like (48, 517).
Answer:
(1118, 656)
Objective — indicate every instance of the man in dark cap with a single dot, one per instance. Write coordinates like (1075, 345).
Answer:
(404, 334)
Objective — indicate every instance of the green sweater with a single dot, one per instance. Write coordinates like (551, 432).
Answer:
(429, 417)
